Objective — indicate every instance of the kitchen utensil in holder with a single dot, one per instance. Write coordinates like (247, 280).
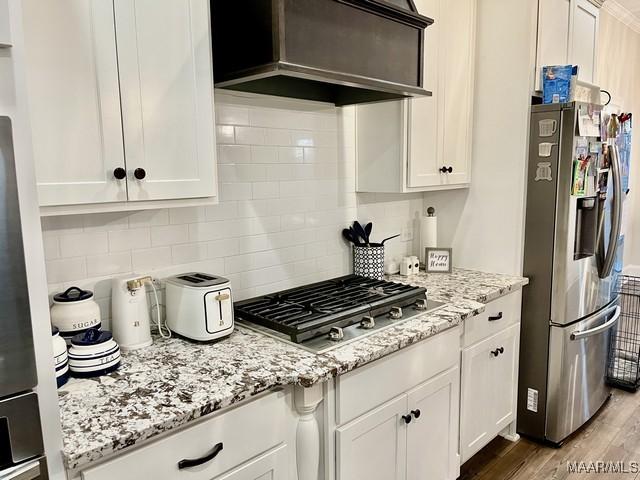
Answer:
(369, 261)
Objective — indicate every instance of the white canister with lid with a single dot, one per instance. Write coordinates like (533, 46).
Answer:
(93, 353)
(60, 357)
(74, 311)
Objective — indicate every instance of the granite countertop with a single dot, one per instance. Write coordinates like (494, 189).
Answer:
(175, 381)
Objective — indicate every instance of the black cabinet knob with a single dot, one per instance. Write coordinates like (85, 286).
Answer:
(139, 173)
(446, 169)
(119, 173)
(407, 419)
(416, 413)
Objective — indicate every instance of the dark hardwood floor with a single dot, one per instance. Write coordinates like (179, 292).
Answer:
(612, 436)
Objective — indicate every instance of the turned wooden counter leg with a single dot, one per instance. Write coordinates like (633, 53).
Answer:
(308, 432)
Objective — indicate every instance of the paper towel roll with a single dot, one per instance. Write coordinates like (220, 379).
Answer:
(428, 234)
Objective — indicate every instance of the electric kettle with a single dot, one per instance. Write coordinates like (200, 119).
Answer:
(130, 317)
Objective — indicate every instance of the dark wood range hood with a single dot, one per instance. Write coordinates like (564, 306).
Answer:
(339, 51)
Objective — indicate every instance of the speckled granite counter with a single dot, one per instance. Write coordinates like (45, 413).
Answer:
(464, 284)
(174, 381)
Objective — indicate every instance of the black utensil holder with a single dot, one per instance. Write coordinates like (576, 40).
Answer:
(369, 261)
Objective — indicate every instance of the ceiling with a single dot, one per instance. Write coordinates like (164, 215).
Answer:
(632, 5)
(627, 11)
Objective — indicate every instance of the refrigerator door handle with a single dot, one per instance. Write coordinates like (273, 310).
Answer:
(578, 334)
(616, 214)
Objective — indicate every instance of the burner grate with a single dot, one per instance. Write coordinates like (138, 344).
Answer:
(312, 310)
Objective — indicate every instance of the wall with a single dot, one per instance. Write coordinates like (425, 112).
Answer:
(484, 224)
(287, 187)
(619, 73)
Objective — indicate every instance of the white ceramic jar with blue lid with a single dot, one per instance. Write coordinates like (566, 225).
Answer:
(93, 353)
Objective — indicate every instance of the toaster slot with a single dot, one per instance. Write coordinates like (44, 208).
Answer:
(191, 278)
(202, 276)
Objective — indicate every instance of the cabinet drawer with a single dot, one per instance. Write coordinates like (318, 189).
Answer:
(270, 466)
(365, 388)
(244, 432)
(498, 315)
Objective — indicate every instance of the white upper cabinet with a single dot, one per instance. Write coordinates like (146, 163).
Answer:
(584, 39)
(426, 115)
(424, 143)
(74, 100)
(458, 48)
(121, 101)
(166, 79)
(567, 34)
(5, 30)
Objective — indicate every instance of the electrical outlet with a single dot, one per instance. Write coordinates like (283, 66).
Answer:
(406, 233)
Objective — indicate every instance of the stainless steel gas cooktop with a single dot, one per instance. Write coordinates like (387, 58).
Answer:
(324, 315)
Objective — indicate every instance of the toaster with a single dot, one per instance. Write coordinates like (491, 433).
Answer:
(199, 306)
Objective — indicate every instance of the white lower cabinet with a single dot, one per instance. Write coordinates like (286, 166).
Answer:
(270, 466)
(413, 437)
(374, 446)
(489, 389)
(432, 436)
(249, 442)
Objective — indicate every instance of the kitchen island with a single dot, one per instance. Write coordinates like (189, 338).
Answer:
(174, 382)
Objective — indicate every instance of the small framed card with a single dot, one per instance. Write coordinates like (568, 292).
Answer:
(438, 260)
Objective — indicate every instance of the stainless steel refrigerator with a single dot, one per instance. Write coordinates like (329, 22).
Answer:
(572, 256)
(21, 447)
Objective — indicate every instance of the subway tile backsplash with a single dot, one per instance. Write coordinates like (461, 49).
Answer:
(286, 172)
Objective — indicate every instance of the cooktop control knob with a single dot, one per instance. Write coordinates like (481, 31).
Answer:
(395, 313)
(421, 304)
(336, 334)
(367, 322)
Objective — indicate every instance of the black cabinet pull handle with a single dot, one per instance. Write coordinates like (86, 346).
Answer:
(407, 419)
(416, 413)
(139, 173)
(446, 169)
(496, 317)
(119, 173)
(497, 351)
(194, 462)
